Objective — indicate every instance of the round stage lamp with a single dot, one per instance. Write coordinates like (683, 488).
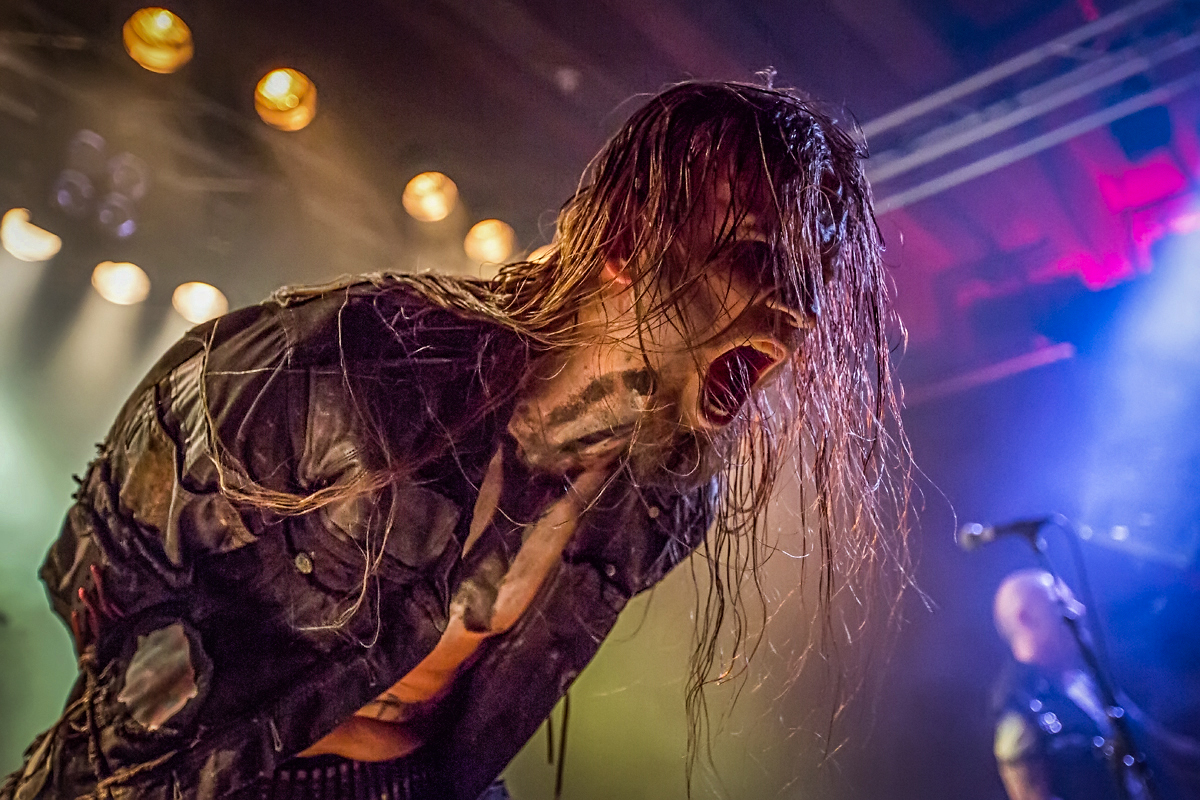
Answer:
(24, 240)
(87, 153)
(74, 193)
(430, 197)
(129, 176)
(157, 40)
(490, 241)
(286, 99)
(120, 282)
(117, 215)
(540, 254)
(198, 302)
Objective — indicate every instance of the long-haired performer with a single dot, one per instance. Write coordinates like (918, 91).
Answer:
(356, 541)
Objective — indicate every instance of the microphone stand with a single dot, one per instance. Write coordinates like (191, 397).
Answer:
(1122, 753)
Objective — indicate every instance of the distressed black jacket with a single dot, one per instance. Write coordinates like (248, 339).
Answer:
(1039, 723)
(229, 615)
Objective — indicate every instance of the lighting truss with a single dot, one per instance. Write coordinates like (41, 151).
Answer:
(1031, 102)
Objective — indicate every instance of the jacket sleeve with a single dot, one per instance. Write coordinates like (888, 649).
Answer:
(228, 440)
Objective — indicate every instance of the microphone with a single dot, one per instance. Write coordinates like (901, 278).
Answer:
(972, 535)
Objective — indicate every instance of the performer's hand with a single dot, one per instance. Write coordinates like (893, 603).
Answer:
(87, 621)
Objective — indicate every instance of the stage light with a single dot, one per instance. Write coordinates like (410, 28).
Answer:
(86, 153)
(568, 79)
(540, 254)
(1139, 486)
(117, 215)
(286, 99)
(199, 302)
(120, 282)
(489, 241)
(157, 40)
(129, 176)
(73, 192)
(75, 188)
(430, 197)
(24, 240)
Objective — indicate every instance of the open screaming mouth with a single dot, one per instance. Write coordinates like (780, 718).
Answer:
(730, 380)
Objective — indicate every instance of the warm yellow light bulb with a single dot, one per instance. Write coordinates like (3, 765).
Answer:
(157, 39)
(276, 86)
(541, 254)
(490, 241)
(430, 197)
(24, 240)
(198, 302)
(120, 282)
(286, 99)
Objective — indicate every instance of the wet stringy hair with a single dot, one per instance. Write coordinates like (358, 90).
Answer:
(835, 404)
(801, 176)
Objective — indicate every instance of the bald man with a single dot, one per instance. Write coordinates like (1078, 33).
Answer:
(1054, 738)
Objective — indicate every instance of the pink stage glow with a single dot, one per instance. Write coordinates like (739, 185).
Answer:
(1140, 186)
(1096, 271)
